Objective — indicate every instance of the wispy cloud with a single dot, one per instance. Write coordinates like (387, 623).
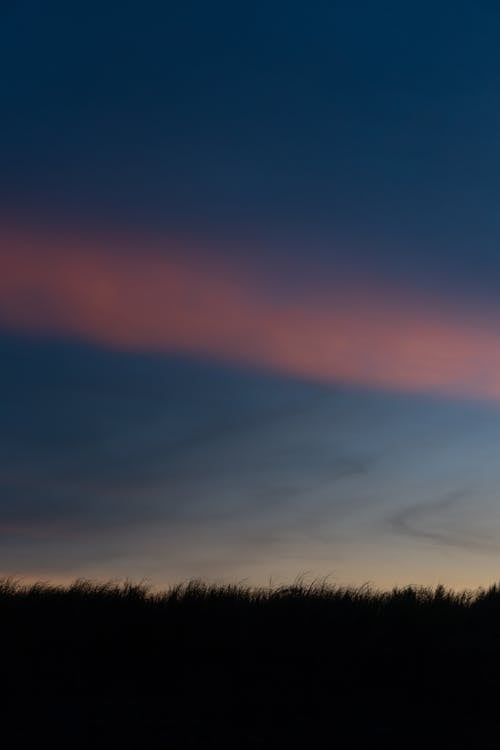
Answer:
(433, 522)
(339, 330)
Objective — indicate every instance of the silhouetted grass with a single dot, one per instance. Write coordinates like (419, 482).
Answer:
(197, 665)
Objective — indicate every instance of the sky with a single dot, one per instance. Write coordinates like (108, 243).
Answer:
(249, 283)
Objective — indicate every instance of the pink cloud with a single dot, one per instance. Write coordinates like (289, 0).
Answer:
(141, 299)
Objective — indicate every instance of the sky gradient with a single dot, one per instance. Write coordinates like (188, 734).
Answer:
(249, 276)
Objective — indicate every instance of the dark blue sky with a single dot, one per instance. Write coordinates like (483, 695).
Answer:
(369, 125)
(322, 142)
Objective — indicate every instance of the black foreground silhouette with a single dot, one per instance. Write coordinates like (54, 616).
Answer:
(199, 666)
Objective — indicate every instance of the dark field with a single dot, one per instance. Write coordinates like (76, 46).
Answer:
(96, 665)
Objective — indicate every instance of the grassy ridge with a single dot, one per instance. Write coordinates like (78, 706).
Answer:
(233, 666)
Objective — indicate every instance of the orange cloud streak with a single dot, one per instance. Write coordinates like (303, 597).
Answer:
(369, 336)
